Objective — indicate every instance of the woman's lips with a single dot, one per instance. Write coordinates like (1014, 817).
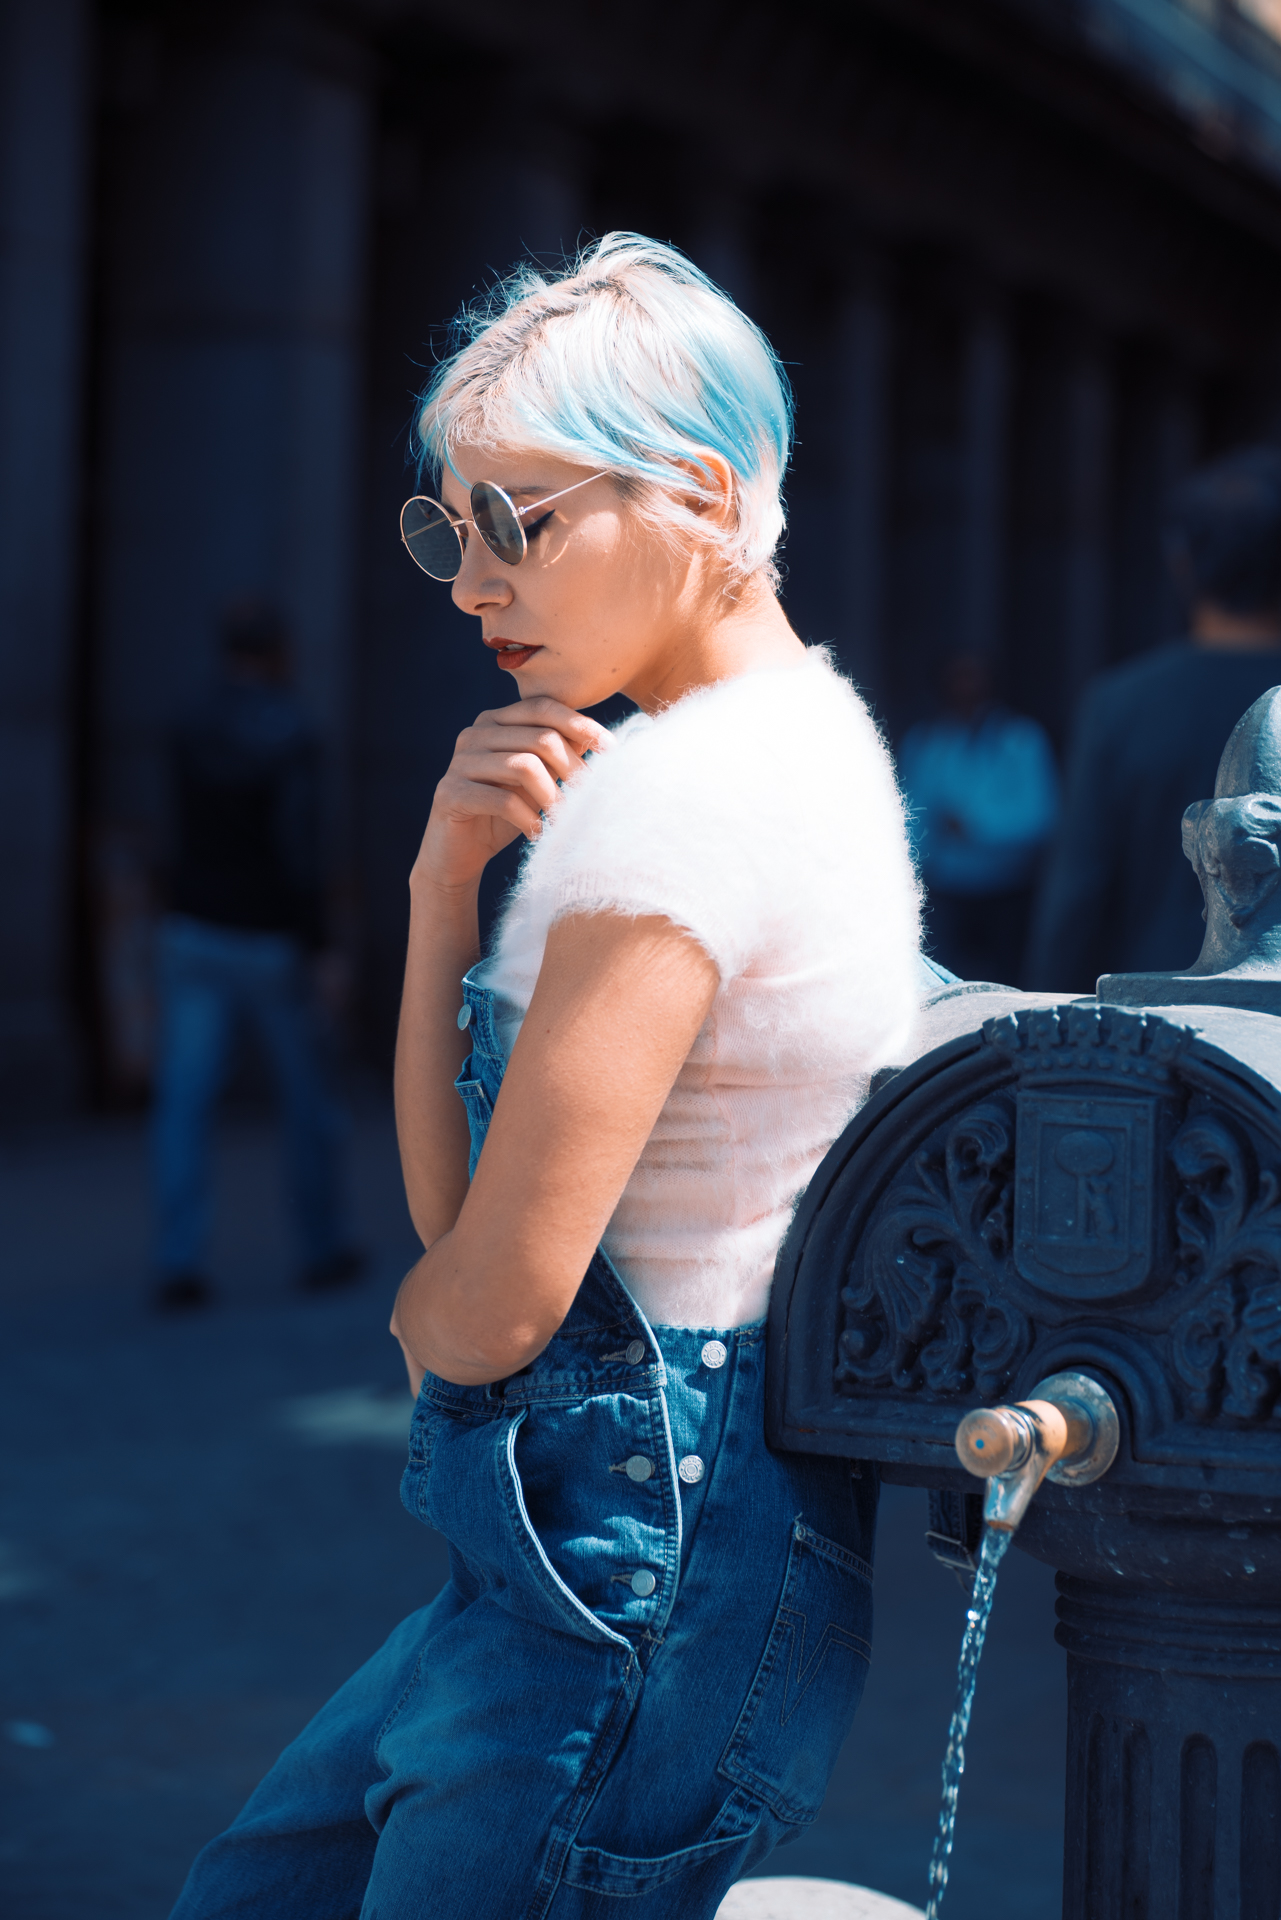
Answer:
(510, 653)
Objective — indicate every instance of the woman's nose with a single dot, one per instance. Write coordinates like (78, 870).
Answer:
(480, 581)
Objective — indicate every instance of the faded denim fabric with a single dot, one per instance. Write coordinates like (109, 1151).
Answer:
(639, 1676)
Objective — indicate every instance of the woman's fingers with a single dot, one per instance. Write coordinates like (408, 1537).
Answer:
(481, 800)
(504, 779)
(509, 766)
(525, 773)
(485, 752)
(533, 747)
(559, 735)
(503, 744)
(542, 711)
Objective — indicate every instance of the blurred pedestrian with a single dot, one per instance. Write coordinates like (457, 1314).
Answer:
(1119, 896)
(983, 792)
(244, 939)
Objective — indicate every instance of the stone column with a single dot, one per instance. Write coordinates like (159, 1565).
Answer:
(985, 421)
(1174, 1777)
(236, 223)
(1156, 445)
(1060, 511)
(524, 203)
(721, 244)
(862, 386)
(1087, 430)
(42, 169)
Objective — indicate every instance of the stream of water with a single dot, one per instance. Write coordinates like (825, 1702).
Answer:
(995, 1543)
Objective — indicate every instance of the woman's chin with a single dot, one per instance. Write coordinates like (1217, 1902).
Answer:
(568, 688)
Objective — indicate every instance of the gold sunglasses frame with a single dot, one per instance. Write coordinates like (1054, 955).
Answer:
(464, 520)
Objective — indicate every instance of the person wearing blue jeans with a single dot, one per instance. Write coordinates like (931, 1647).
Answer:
(238, 949)
(655, 1632)
(212, 979)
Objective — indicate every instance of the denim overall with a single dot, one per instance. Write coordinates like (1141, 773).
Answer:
(639, 1676)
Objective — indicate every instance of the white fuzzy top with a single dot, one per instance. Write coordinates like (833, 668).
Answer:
(762, 815)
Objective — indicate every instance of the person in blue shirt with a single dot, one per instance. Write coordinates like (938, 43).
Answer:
(1118, 894)
(983, 796)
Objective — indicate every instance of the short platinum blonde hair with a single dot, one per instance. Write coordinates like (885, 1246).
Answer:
(631, 361)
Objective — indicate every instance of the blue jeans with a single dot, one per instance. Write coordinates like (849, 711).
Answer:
(640, 1674)
(211, 977)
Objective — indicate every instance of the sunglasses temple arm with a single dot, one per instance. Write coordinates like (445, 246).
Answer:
(535, 504)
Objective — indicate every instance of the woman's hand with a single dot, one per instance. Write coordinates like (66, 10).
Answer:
(505, 775)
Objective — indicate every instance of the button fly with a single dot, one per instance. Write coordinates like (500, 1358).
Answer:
(691, 1469)
(715, 1353)
(638, 1467)
(643, 1583)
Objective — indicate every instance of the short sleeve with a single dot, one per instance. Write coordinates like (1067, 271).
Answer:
(662, 823)
(760, 814)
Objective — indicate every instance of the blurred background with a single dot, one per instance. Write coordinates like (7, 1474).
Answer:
(1022, 259)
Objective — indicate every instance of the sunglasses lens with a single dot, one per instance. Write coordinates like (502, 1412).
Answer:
(428, 532)
(496, 522)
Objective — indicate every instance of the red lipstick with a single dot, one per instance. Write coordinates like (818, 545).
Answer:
(511, 654)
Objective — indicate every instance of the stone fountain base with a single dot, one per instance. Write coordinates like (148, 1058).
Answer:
(795, 1898)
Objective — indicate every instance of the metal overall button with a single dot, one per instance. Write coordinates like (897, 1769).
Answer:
(464, 1018)
(636, 1467)
(715, 1353)
(642, 1582)
(633, 1353)
(691, 1469)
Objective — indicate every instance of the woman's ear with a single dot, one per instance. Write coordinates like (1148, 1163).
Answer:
(714, 477)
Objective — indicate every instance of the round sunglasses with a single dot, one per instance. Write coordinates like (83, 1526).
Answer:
(436, 541)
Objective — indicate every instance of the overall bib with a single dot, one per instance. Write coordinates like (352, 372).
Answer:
(639, 1676)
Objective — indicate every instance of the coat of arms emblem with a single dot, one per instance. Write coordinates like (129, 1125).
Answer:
(1083, 1192)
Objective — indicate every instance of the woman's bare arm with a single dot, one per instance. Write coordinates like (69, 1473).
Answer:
(618, 1005)
(431, 1124)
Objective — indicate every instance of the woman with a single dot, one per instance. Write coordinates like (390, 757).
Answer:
(656, 1631)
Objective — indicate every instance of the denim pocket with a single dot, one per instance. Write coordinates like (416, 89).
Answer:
(626, 1876)
(809, 1681)
(574, 1612)
(448, 1454)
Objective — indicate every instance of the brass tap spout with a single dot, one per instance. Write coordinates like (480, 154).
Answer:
(1068, 1431)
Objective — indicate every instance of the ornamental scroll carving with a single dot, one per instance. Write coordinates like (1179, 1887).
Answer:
(931, 1303)
(1092, 1187)
(1225, 1347)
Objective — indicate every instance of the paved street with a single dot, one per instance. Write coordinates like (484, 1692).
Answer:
(200, 1536)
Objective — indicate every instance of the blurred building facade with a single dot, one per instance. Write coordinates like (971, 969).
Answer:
(1022, 257)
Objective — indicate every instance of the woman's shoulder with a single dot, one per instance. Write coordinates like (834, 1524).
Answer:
(813, 688)
(740, 776)
(795, 724)
(734, 776)
(730, 811)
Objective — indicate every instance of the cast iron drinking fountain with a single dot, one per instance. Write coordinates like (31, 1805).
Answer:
(1051, 1246)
